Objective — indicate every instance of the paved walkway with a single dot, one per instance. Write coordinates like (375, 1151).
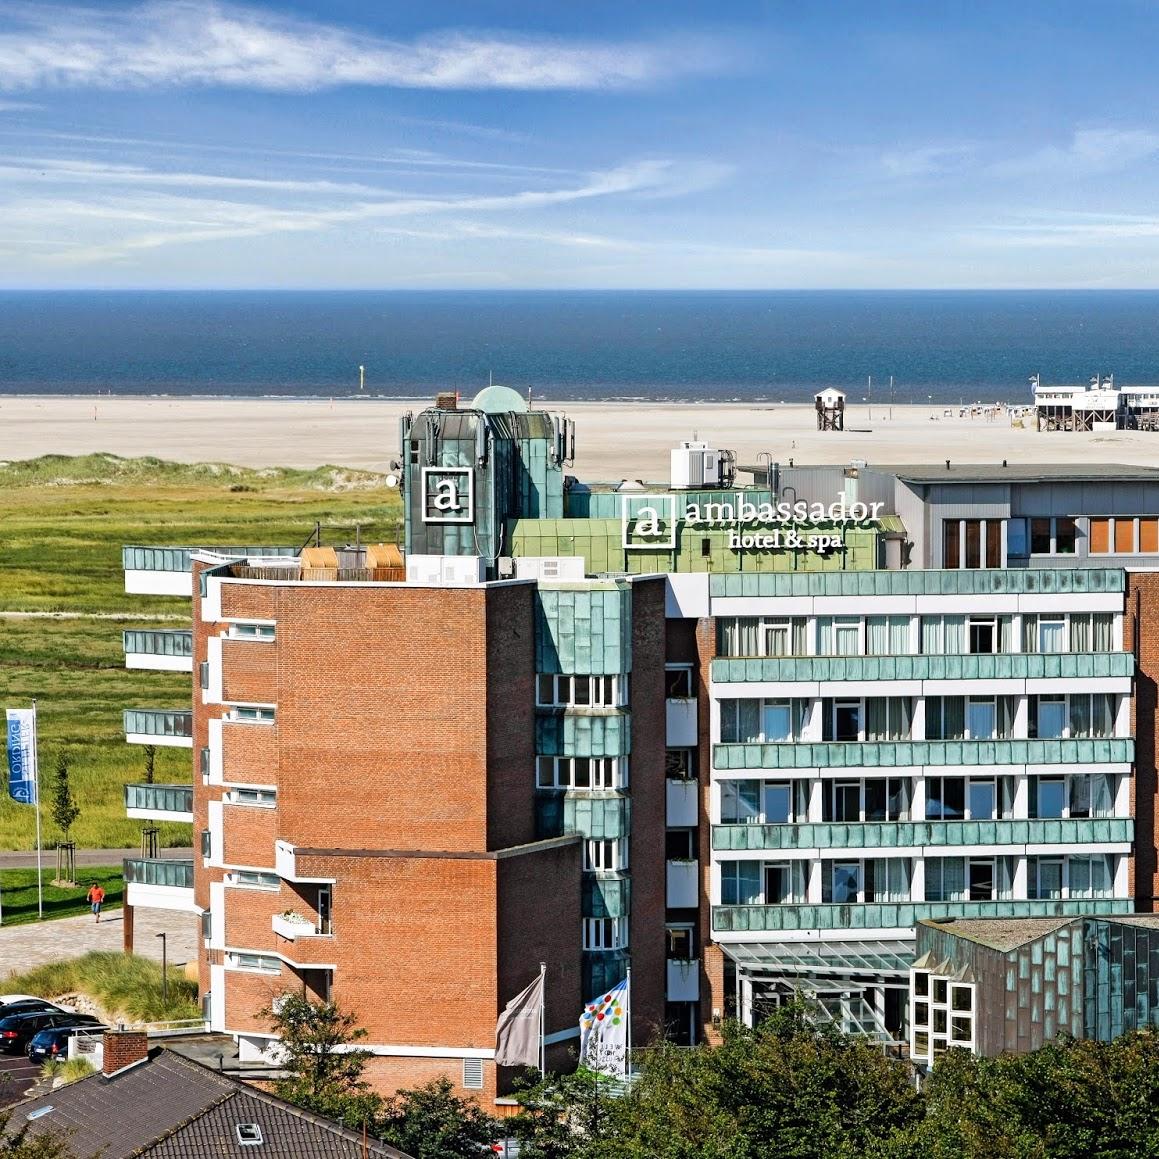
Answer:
(22, 947)
(27, 860)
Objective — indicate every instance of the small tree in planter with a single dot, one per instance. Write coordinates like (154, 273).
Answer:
(65, 811)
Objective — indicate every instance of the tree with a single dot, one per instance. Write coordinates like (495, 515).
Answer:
(65, 810)
(324, 1066)
(150, 763)
(430, 1122)
(564, 1116)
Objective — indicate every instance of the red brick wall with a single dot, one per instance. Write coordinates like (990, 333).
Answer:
(712, 994)
(249, 751)
(249, 834)
(1141, 634)
(649, 805)
(248, 914)
(247, 993)
(249, 670)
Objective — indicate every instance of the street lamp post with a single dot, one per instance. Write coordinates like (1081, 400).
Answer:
(164, 969)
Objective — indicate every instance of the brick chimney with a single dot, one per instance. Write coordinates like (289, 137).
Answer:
(123, 1048)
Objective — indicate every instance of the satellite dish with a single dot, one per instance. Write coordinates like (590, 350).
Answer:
(392, 480)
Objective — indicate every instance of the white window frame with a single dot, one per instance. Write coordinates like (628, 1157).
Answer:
(250, 879)
(559, 773)
(930, 1007)
(267, 714)
(251, 962)
(263, 796)
(605, 933)
(263, 631)
(604, 691)
(605, 855)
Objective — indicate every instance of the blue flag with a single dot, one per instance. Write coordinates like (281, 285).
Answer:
(21, 755)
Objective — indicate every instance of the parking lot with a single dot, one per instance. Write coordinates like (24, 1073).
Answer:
(17, 1074)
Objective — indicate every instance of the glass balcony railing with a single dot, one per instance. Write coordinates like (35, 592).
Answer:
(159, 798)
(159, 871)
(158, 722)
(1007, 666)
(910, 834)
(897, 915)
(177, 643)
(903, 753)
(606, 895)
(181, 558)
(597, 816)
(996, 581)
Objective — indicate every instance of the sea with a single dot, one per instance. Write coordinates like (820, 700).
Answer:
(946, 346)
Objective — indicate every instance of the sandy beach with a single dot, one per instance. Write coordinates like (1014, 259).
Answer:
(614, 440)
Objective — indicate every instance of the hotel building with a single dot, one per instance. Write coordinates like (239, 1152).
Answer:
(739, 738)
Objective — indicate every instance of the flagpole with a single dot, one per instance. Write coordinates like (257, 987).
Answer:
(628, 1047)
(542, 1019)
(36, 789)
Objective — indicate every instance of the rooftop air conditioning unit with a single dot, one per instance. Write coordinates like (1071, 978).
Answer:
(696, 464)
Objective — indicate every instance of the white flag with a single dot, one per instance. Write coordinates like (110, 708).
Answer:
(517, 1031)
(604, 1032)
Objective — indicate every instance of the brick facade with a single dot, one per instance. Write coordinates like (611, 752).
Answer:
(1141, 636)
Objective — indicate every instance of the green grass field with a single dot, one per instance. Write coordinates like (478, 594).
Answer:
(63, 525)
(18, 892)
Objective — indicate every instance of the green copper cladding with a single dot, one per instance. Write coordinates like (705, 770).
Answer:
(599, 816)
(583, 733)
(583, 629)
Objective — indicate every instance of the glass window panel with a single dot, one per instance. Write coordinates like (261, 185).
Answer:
(778, 883)
(1040, 537)
(1065, 534)
(876, 636)
(1051, 717)
(846, 634)
(1149, 534)
(921, 986)
(960, 1029)
(973, 542)
(1029, 633)
(778, 802)
(981, 880)
(955, 635)
(1051, 634)
(1049, 877)
(740, 882)
(981, 719)
(1103, 631)
(1124, 535)
(778, 722)
(875, 799)
(1080, 632)
(993, 543)
(1100, 536)
(1051, 797)
(951, 544)
(846, 881)
(1016, 541)
(961, 999)
(740, 802)
(847, 720)
(983, 800)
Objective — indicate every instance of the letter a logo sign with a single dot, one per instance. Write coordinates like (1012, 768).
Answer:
(448, 495)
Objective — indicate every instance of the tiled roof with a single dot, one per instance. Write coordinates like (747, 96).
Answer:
(1002, 934)
(173, 1108)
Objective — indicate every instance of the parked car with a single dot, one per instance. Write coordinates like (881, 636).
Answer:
(27, 1006)
(52, 1042)
(17, 1029)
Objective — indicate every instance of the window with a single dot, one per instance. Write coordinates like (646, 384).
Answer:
(203, 762)
(980, 879)
(946, 798)
(841, 720)
(779, 883)
(1047, 716)
(581, 772)
(581, 691)
(1084, 714)
(740, 883)
(679, 682)
(1079, 795)
(755, 721)
(249, 1134)
(1092, 632)
(1053, 535)
(887, 636)
(941, 1015)
(605, 933)
(251, 714)
(838, 636)
(971, 543)
(758, 636)
(1047, 796)
(872, 799)
(1124, 535)
(681, 943)
(605, 855)
(878, 879)
(266, 963)
(1044, 877)
(1077, 875)
(253, 796)
(680, 764)
(990, 634)
(206, 844)
(943, 635)
(762, 802)
(983, 799)
(887, 718)
(254, 879)
(251, 631)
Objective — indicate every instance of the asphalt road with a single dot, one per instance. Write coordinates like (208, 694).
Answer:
(17, 1074)
(27, 860)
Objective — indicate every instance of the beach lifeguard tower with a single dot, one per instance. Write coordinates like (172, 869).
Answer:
(830, 404)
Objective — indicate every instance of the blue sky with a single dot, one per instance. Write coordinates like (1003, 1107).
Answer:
(579, 144)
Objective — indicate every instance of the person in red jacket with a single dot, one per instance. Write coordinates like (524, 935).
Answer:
(96, 897)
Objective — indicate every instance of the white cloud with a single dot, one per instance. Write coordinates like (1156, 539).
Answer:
(205, 42)
(924, 160)
(1089, 152)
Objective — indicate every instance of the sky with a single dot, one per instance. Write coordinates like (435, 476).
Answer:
(579, 144)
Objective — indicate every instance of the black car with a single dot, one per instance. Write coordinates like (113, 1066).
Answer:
(52, 1042)
(17, 1029)
(25, 1006)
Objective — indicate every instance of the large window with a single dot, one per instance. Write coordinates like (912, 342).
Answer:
(967, 878)
(761, 721)
(1124, 535)
(979, 798)
(941, 1015)
(1053, 535)
(943, 635)
(871, 879)
(740, 883)
(1075, 875)
(971, 543)
(1079, 795)
(875, 718)
(969, 717)
(869, 799)
(989, 634)
(581, 772)
(763, 802)
(553, 691)
(605, 855)
(1084, 714)
(762, 882)
(761, 636)
(887, 636)
(1092, 632)
(605, 933)
(839, 636)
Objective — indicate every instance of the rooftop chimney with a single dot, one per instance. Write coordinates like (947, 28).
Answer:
(124, 1048)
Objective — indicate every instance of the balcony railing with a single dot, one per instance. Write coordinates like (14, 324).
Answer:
(177, 644)
(1005, 666)
(595, 815)
(606, 895)
(905, 834)
(150, 799)
(166, 725)
(159, 871)
(973, 582)
(903, 754)
(181, 558)
(897, 915)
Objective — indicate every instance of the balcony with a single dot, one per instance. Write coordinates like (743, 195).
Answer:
(905, 754)
(598, 815)
(160, 883)
(681, 803)
(897, 915)
(159, 726)
(1006, 666)
(995, 581)
(161, 651)
(915, 834)
(681, 721)
(682, 884)
(287, 868)
(167, 571)
(293, 926)
(683, 980)
(159, 802)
